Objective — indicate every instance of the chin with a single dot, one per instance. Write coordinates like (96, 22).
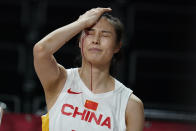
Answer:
(97, 61)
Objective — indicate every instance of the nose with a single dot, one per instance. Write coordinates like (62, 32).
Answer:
(96, 39)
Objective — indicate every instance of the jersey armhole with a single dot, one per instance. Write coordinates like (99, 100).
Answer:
(126, 97)
(65, 87)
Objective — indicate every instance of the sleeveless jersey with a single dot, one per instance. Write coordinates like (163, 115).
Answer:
(78, 109)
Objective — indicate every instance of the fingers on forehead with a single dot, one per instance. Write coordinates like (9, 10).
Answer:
(102, 9)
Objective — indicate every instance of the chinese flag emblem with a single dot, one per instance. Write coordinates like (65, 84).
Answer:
(91, 105)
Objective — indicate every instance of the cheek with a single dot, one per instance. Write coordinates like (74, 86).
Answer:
(108, 44)
(87, 40)
(84, 45)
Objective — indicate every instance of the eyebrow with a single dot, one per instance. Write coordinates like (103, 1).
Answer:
(103, 31)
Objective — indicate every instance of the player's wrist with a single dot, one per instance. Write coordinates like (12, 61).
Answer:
(82, 23)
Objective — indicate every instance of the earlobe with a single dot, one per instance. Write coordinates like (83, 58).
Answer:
(118, 47)
(79, 44)
(116, 50)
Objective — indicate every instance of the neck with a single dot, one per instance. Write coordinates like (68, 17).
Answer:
(96, 77)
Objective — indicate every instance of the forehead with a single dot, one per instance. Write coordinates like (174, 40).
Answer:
(104, 25)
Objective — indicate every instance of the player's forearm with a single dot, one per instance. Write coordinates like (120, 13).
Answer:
(56, 39)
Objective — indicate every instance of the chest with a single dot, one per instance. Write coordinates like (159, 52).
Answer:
(80, 112)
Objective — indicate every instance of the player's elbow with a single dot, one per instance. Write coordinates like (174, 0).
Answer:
(39, 50)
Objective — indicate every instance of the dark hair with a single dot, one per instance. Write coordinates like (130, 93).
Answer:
(117, 24)
(119, 29)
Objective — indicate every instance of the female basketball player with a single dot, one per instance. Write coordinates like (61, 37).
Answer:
(86, 98)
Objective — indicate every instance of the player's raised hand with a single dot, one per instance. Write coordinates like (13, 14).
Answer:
(91, 17)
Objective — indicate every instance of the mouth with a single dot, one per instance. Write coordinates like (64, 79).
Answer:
(95, 49)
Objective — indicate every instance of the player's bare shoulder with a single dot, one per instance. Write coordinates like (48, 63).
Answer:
(134, 114)
(59, 83)
(52, 92)
(134, 104)
(133, 99)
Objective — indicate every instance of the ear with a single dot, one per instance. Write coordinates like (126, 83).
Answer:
(80, 40)
(80, 43)
(117, 48)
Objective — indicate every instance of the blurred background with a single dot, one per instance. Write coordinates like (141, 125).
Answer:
(159, 62)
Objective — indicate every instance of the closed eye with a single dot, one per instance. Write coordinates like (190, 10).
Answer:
(106, 34)
(90, 32)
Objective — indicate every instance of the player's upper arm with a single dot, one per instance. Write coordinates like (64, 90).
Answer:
(46, 67)
(134, 114)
